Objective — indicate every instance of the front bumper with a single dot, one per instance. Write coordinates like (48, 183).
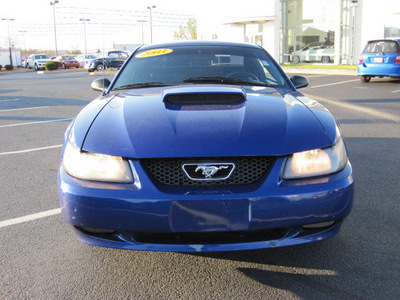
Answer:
(72, 65)
(41, 65)
(144, 217)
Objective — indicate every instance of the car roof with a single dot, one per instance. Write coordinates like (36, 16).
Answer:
(384, 40)
(197, 43)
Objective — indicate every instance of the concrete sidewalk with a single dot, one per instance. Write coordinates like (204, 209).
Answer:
(320, 71)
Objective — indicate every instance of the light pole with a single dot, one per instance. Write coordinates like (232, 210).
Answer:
(9, 38)
(23, 32)
(84, 30)
(151, 23)
(53, 3)
(142, 21)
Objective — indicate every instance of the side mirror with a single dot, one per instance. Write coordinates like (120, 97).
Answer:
(299, 81)
(101, 84)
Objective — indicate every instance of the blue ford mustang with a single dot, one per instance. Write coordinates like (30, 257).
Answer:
(203, 146)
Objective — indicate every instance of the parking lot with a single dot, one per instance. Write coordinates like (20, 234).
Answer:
(40, 258)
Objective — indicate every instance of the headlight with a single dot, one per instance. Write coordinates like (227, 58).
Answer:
(316, 162)
(97, 167)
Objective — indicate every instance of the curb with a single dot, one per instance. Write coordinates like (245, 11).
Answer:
(286, 69)
(24, 70)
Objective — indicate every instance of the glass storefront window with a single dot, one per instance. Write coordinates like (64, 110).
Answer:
(308, 30)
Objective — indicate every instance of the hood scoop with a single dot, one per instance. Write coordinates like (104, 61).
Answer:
(205, 98)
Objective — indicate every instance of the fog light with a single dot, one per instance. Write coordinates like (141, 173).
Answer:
(318, 225)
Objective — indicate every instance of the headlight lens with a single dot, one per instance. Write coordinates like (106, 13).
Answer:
(97, 167)
(316, 162)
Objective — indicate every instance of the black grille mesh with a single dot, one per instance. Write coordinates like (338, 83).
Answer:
(168, 171)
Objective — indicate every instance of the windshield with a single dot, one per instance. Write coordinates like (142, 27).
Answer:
(68, 57)
(200, 64)
(382, 46)
(41, 56)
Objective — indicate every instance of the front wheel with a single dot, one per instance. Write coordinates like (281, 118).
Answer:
(296, 59)
(326, 59)
(100, 67)
(36, 67)
(365, 78)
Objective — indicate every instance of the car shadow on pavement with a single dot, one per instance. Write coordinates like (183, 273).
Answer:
(378, 80)
(309, 271)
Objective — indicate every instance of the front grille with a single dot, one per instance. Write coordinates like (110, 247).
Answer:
(168, 171)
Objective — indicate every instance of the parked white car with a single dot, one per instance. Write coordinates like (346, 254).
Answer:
(314, 53)
(37, 61)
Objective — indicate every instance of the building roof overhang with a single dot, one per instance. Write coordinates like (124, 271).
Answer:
(252, 20)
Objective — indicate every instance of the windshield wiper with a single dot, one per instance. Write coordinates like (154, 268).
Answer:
(140, 85)
(227, 80)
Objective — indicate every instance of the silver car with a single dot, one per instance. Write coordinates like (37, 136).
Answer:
(314, 53)
(85, 59)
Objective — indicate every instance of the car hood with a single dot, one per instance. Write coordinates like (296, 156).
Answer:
(165, 122)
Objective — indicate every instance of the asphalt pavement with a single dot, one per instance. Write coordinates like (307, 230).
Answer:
(41, 259)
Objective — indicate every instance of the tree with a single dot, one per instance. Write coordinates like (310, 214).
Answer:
(188, 32)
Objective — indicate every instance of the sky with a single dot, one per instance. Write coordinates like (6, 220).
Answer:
(111, 22)
(120, 21)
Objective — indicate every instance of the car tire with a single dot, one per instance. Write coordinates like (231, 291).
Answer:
(365, 78)
(36, 67)
(100, 67)
(28, 66)
(296, 59)
(326, 59)
(63, 66)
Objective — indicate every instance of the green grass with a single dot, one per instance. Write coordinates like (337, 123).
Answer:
(321, 66)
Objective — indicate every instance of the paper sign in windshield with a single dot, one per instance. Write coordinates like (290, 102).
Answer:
(155, 52)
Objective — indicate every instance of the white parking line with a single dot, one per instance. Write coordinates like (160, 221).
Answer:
(8, 100)
(30, 150)
(38, 122)
(314, 76)
(31, 217)
(334, 83)
(369, 111)
(396, 91)
(27, 108)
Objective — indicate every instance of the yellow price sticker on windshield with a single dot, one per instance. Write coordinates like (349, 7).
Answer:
(155, 52)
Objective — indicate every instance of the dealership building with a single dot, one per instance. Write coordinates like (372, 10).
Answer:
(333, 31)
